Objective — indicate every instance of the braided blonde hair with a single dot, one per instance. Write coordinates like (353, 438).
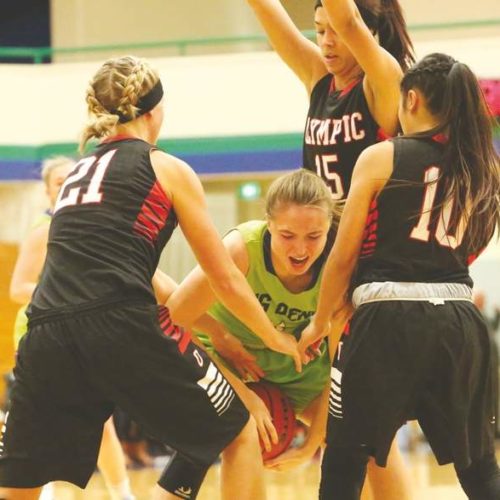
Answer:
(115, 89)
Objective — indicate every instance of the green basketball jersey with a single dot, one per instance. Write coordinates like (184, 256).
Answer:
(21, 321)
(289, 312)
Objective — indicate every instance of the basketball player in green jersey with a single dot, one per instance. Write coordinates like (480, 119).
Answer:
(282, 258)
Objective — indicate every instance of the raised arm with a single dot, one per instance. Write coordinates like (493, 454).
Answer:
(29, 264)
(163, 286)
(226, 280)
(382, 72)
(195, 295)
(373, 168)
(301, 55)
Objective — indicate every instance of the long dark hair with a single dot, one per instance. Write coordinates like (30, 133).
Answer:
(471, 167)
(385, 19)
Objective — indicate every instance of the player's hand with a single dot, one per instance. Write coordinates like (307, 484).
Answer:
(265, 426)
(310, 340)
(231, 349)
(286, 344)
(290, 459)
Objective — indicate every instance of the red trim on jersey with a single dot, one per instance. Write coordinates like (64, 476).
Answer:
(154, 213)
(345, 90)
(474, 256)
(347, 328)
(382, 136)
(471, 259)
(175, 332)
(441, 138)
(370, 232)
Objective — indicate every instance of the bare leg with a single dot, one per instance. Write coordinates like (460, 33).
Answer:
(111, 463)
(20, 493)
(242, 468)
(111, 460)
(391, 482)
(367, 491)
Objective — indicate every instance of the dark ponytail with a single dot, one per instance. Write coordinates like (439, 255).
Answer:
(471, 167)
(393, 33)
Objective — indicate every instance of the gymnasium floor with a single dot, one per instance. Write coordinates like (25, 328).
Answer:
(430, 482)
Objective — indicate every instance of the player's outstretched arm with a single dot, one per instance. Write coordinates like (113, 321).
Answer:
(226, 345)
(163, 286)
(255, 406)
(382, 72)
(226, 280)
(317, 416)
(301, 55)
(29, 265)
(230, 348)
(373, 168)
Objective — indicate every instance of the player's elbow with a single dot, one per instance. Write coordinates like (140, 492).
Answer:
(178, 314)
(17, 293)
(225, 287)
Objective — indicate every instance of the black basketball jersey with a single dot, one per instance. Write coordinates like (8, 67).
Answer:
(339, 127)
(110, 224)
(408, 236)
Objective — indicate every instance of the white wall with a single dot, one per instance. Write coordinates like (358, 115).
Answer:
(101, 22)
(217, 95)
(236, 94)
(97, 22)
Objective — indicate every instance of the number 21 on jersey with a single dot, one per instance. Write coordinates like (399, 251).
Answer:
(421, 231)
(69, 193)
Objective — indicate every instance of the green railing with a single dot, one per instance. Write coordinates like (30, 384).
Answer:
(181, 46)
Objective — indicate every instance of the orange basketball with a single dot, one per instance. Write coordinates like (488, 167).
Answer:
(282, 414)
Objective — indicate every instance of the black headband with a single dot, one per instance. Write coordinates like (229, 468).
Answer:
(145, 103)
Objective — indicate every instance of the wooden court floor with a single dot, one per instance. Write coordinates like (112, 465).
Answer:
(430, 482)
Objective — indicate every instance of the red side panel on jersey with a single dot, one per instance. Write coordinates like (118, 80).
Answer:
(382, 136)
(370, 232)
(177, 333)
(474, 256)
(154, 214)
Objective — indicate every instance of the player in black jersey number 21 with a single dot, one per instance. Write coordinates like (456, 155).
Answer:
(96, 337)
(421, 207)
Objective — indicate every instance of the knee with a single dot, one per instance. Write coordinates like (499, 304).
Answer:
(248, 433)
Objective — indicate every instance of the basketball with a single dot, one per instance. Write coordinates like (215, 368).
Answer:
(282, 414)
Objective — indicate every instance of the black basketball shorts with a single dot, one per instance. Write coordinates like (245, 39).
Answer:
(405, 360)
(73, 369)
